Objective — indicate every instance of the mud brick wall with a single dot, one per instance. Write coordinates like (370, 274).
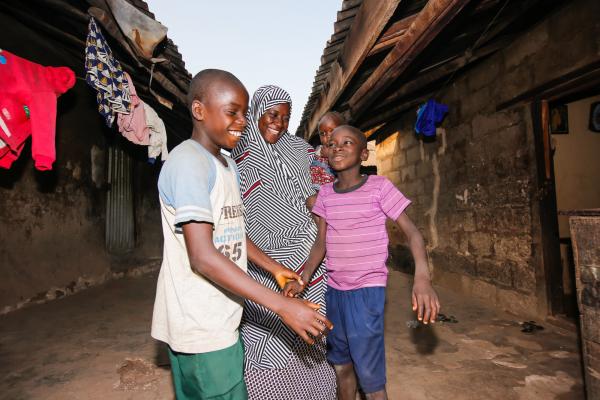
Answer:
(52, 236)
(474, 187)
(585, 233)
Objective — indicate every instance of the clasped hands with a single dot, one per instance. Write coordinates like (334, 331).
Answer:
(292, 284)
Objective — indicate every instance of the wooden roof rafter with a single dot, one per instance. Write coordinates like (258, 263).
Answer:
(424, 29)
(363, 30)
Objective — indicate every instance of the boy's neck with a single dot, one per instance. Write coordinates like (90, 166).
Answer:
(200, 137)
(348, 178)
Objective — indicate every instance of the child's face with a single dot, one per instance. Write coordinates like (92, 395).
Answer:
(274, 122)
(346, 150)
(222, 114)
(326, 126)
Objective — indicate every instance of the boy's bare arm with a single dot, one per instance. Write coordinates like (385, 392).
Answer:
(281, 274)
(317, 252)
(210, 263)
(425, 300)
(310, 201)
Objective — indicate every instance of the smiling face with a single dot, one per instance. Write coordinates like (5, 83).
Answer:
(221, 115)
(274, 122)
(347, 148)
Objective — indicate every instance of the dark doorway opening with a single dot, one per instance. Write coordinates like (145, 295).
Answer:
(568, 161)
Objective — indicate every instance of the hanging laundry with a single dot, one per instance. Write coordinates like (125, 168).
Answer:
(133, 125)
(15, 125)
(158, 135)
(28, 93)
(105, 75)
(429, 115)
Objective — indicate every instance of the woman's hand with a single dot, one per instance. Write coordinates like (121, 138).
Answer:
(284, 275)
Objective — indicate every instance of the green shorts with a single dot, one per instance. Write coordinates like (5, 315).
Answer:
(217, 375)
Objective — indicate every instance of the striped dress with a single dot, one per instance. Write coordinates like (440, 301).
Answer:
(275, 182)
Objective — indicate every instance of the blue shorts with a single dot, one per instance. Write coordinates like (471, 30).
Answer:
(357, 335)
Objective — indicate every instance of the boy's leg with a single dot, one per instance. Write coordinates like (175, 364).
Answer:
(364, 324)
(217, 375)
(380, 395)
(338, 353)
(346, 381)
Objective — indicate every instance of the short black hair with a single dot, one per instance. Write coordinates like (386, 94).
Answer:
(335, 116)
(356, 132)
(203, 80)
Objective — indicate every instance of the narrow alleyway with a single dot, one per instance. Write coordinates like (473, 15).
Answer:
(73, 348)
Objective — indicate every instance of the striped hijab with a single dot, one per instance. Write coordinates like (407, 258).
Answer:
(275, 182)
(282, 170)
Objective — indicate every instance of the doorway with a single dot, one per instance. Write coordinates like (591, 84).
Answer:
(575, 148)
(568, 155)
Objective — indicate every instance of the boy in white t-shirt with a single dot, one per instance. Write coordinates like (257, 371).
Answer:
(203, 281)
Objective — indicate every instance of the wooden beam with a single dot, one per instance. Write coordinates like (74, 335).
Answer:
(411, 93)
(346, 4)
(546, 138)
(554, 88)
(432, 19)
(392, 35)
(366, 27)
(434, 73)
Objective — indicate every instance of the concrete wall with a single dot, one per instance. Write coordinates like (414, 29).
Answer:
(474, 187)
(52, 236)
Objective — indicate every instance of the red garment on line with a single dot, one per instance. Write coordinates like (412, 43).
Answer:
(24, 83)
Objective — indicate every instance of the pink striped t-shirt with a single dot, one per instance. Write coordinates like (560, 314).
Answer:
(357, 240)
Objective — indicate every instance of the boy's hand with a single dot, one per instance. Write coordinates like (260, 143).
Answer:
(424, 300)
(304, 319)
(310, 201)
(284, 275)
(293, 289)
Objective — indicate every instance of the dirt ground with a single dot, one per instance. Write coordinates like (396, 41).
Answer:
(96, 345)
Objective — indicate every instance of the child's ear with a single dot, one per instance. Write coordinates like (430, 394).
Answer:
(198, 110)
(364, 155)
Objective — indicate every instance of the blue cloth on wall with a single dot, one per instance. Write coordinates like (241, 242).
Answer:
(428, 116)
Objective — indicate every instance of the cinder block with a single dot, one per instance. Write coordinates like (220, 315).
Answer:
(485, 74)
(500, 273)
(408, 173)
(413, 155)
(480, 243)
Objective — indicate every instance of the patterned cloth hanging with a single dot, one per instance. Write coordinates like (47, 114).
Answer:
(105, 75)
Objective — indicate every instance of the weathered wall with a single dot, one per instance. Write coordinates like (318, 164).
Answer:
(52, 234)
(474, 187)
(585, 232)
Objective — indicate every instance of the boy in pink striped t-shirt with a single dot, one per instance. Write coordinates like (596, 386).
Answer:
(353, 211)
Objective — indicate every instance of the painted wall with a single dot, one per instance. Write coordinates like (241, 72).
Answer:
(473, 189)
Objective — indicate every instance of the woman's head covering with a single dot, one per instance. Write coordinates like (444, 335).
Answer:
(281, 168)
(264, 98)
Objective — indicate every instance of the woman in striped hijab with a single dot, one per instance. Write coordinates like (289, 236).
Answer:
(275, 183)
